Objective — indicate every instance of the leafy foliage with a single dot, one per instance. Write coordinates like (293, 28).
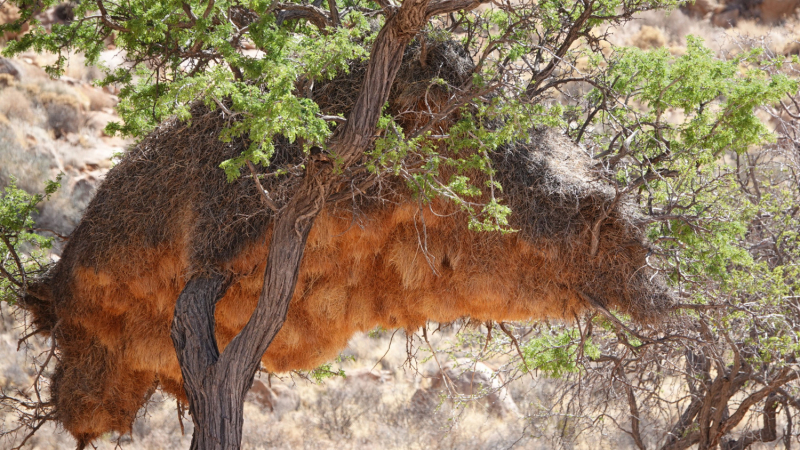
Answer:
(326, 371)
(677, 167)
(22, 251)
(260, 64)
(556, 353)
(717, 193)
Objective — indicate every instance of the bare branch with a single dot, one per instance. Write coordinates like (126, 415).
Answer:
(448, 6)
(264, 194)
(104, 17)
(291, 11)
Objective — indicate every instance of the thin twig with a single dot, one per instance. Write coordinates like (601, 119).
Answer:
(264, 194)
(502, 326)
(608, 315)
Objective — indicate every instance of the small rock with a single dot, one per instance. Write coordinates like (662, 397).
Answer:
(279, 399)
(11, 67)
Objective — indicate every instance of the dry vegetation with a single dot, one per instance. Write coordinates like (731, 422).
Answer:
(357, 412)
(49, 127)
(45, 124)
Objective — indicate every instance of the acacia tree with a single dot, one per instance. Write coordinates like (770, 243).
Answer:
(718, 194)
(258, 61)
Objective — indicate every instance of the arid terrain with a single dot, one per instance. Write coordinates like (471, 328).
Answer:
(386, 389)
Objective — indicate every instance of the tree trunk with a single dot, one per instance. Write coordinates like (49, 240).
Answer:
(216, 383)
(217, 422)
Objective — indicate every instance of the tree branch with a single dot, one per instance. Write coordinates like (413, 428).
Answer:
(574, 33)
(315, 15)
(634, 411)
(264, 194)
(449, 6)
(767, 434)
(334, 11)
(106, 20)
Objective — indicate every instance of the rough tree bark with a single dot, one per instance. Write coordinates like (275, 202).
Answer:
(215, 382)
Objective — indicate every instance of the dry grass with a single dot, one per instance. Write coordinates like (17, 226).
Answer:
(15, 104)
(63, 112)
(340, 414)
(648, 38)
(59, 106)
(28, 164)
(7, 80)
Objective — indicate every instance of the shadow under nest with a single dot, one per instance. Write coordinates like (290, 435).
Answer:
(374, 258)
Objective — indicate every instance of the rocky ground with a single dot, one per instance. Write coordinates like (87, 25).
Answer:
(50, 126)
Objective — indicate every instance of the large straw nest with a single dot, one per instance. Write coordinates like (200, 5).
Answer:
(166, 212)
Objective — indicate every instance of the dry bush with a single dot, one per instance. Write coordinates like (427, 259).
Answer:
(675, 27)
(30, 164)
(791, 48)
(99, 99)
(337, 410)
(7, 80)
(14, 104)
(63, 112)
(62, 118)
(649, 37)
(32, 90)
(361, 415)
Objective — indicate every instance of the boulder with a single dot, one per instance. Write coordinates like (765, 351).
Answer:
(726, 19)
(777, 10)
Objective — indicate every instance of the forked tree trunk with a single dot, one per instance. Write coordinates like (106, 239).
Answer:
(215, 382)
